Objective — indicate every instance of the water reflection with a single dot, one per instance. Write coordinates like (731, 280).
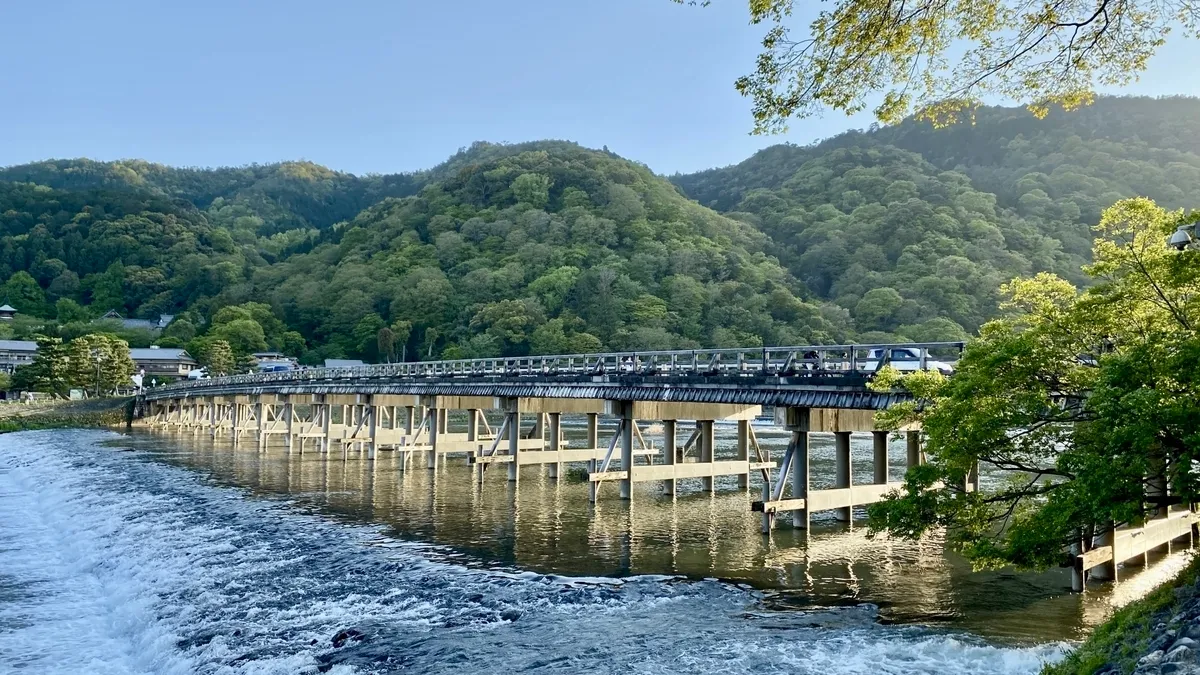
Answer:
(549, 526)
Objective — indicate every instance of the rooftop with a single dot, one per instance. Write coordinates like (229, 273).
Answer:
(160, 354)
(18, 345)
(343, 363)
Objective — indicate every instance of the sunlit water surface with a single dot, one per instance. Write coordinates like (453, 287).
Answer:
(170, 553)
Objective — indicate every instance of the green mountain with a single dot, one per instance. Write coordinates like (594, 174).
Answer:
(903, 232)
(905, 224)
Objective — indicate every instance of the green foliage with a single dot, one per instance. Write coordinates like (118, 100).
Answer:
(1088, 402)
(214, 355)
(940, 59)
(69, 311)
(903, 233)
(99, 363)
(944, 216)
(51, 370)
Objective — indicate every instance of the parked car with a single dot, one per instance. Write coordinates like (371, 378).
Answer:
(904, 359)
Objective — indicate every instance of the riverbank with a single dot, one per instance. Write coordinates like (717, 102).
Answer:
(104, 412)
(1157, 634)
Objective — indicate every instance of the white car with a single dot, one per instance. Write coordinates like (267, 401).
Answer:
(198, 374)
(903, 359)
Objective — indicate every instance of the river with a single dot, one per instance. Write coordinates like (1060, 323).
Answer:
(159, 553)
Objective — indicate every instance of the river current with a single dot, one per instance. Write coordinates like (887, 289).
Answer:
(157, 553)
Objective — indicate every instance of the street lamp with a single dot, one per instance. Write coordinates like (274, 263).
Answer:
(1182, 238)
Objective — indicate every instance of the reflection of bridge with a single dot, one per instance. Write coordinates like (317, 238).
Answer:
(405, 408)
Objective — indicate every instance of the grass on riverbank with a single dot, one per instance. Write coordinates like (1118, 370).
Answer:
(104, 412)
(1125, 636)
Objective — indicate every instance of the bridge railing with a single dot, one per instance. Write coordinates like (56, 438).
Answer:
(813, 360)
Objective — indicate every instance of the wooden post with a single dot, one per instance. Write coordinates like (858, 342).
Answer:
(627, 449)
(1105, 571)
(434, 415)
(289, 414)
(237, 422)
(743, 451)
(212, 417)
(913, 444)
(800, 477)
(593, 439)
(473, 430)
(669, 453)
(880, 464)
(706, 441)
(260, 431)
(514, 439)
(326, 411)
(373, 429)
(554, 468)
(842, 478)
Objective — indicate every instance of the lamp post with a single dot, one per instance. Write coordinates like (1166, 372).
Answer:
(1185, 236)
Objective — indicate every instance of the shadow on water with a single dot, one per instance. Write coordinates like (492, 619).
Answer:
(549, 527)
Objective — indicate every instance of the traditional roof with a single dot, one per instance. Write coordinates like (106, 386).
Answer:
(343, 363)
(18, 346)
(160, 354)
(7, 308)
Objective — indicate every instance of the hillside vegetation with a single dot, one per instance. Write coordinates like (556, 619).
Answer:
(897, 233)
(903, 224)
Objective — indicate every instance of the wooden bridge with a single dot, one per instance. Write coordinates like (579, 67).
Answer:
(407, 408)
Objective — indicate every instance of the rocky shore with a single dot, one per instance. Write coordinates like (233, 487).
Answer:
(103, 412)
(1159, 634)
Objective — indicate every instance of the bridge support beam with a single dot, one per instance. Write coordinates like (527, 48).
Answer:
(512, 410)
(799, 477)
(554, 469)
(879, 447)
(626, 431)
(670, 452)
(842, 471)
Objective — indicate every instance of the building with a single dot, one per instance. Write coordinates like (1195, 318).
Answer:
(343, 363)
(152, 325)
(7, 312)
(162, 363)
(272, 361)
(16, 353)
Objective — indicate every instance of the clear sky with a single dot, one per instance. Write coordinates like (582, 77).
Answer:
(394, 85)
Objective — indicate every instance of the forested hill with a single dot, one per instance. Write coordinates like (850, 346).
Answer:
(504, 249)
(896, 233)
(897, 223)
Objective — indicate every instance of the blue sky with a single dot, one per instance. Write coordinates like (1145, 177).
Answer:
(394, 85)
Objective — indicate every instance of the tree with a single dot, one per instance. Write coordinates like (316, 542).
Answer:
(23, 292)
(99, 362)
(217, 357)
(1029, 52)
(68, 311)
(1087, 403)
(385, 342)
(244, 336)
(532, 189)
(401, 332)
(50, 370)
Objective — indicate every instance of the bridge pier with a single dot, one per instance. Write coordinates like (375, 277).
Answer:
(844, 495)
(842, 471)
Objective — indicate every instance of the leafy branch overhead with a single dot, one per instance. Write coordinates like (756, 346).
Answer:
(939, 58)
